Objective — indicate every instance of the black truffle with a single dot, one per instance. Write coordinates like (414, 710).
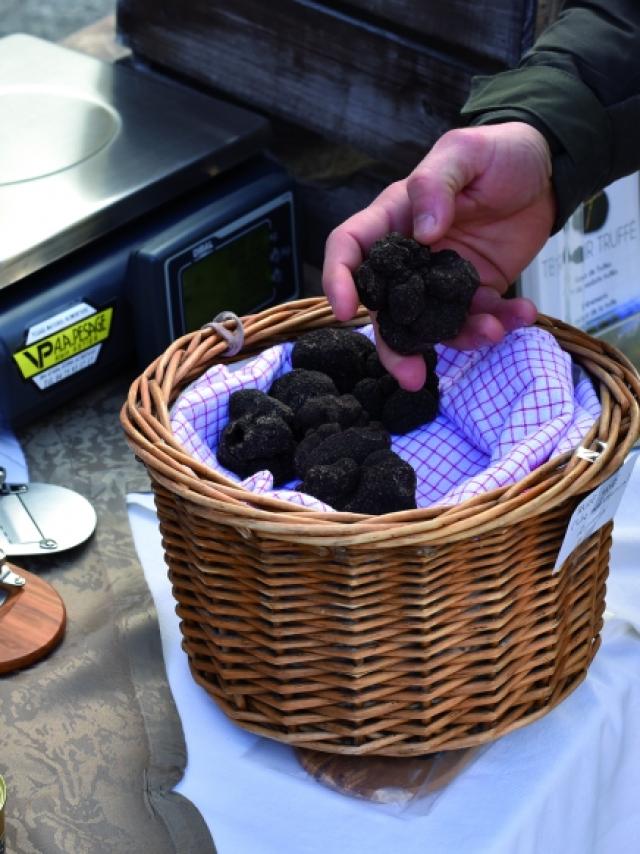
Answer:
(344, 410)
(421, 297)
(372, 289)
(374, 366)
(404, 411)
(251, 401)
(372, 394)
(395, 256)
(431, 359)
(407, 300)
(252, 443)
(298, 385)
(340, 353)
(451, 277)
(334, 483)
(387, 484)
(407, 340)
(400, 411)
(382, 483)
(307, 446)
(355, 443)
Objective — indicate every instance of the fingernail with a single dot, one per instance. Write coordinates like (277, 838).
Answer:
(424, 225)
(522, 320)
(483, 341)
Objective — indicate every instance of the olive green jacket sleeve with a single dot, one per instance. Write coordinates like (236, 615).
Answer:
(580, 86)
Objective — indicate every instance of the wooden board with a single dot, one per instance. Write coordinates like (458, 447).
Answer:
(32, 622)
(387, 92)
(385, 779)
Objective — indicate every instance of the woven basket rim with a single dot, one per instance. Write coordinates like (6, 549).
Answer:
(146, 421)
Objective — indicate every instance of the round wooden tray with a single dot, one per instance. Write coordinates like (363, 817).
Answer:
(32, 622)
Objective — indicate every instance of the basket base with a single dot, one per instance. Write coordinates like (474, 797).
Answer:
(428, 747)
(385, 779)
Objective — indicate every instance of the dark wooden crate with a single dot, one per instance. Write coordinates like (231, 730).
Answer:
(385, 76)
(494, 33)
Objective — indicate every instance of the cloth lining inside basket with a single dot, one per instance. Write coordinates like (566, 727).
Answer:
(504, 411)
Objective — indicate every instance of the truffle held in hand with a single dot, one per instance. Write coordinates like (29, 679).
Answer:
(421, 297)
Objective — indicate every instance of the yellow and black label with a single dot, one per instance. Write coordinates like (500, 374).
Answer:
(64, 344)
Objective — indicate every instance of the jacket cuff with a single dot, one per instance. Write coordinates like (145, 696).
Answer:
(565, 111)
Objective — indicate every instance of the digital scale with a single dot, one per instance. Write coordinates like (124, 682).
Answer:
(132, 210)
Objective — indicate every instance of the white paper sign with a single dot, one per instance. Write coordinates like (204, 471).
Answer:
(595, 510)
(603, 241)
(587, 273)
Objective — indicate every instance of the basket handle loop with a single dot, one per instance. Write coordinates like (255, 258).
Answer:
(591, 456)
(234, 337)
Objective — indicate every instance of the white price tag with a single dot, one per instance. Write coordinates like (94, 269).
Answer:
(595, 510)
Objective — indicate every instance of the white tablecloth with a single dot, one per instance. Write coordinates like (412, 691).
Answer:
(567, 784)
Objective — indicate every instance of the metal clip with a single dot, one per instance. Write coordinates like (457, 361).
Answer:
(7, 576)
(10, 488)
(233, 337)
(591, 455)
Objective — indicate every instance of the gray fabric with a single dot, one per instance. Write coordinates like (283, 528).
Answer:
(90, 740)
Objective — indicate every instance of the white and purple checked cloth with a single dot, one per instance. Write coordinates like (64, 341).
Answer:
(504, 410)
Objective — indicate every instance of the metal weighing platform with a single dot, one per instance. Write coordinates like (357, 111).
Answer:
(127, 203)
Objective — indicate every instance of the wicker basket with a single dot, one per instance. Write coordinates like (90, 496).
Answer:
(398, 635)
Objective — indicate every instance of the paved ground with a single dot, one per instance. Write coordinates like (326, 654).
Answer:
(50, 19)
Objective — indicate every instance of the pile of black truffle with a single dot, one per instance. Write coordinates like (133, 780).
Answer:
(327, 422)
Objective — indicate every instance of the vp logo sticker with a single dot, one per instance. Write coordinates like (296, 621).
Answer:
(64, 344)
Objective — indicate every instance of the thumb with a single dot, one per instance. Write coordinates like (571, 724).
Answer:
(435, 183)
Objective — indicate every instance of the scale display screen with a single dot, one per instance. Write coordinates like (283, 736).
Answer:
(236, 252)
(237, 274)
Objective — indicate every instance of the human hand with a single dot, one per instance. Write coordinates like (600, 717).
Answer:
(483, 191)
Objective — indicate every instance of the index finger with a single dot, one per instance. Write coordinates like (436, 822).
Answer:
(343, 254)
(348, 244)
